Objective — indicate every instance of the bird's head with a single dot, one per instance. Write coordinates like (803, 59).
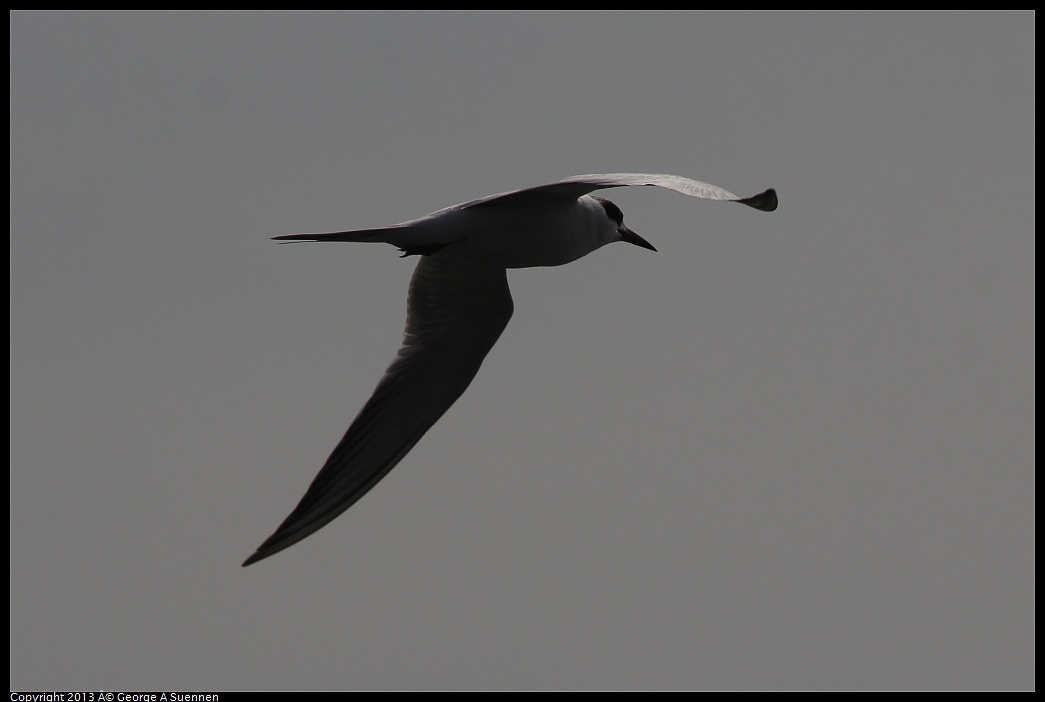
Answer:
(616, 219)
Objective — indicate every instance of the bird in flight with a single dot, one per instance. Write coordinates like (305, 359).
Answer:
(457, 307)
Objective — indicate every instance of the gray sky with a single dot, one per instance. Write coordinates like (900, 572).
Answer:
(791, 450)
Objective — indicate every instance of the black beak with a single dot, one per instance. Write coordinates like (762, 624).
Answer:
(633, 238)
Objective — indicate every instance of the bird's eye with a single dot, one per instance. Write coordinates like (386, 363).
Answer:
(612, 211)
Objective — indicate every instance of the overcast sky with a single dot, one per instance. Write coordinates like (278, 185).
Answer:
(790, 450)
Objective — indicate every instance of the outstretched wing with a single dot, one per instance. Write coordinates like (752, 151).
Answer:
(411, 238)
(456, 311)
(577, 186)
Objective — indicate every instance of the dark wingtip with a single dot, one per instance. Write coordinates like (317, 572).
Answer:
(269, 548)
(289, 238)
(253, 559)
(765, 201)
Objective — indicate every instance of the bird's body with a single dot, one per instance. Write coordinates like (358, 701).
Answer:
(508, 236)
(458, 305)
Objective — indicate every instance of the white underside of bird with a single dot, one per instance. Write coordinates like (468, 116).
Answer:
(457, 307)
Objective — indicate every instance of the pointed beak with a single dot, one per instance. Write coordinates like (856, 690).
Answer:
(633, 238)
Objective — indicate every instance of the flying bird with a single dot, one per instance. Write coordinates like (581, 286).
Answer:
(457, 307)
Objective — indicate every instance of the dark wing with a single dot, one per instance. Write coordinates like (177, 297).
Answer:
(456, 311)
(380, 235)
(577, 186)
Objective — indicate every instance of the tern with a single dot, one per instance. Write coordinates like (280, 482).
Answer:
(457, 307)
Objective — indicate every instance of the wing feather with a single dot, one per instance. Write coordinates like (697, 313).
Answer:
(577, 186)
(456, 311)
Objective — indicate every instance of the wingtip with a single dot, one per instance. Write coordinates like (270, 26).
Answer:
(264, 551)
(765, 201)
(293, 238)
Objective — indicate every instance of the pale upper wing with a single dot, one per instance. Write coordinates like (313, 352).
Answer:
(409, 238)
(456, 311)
(578, 186)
